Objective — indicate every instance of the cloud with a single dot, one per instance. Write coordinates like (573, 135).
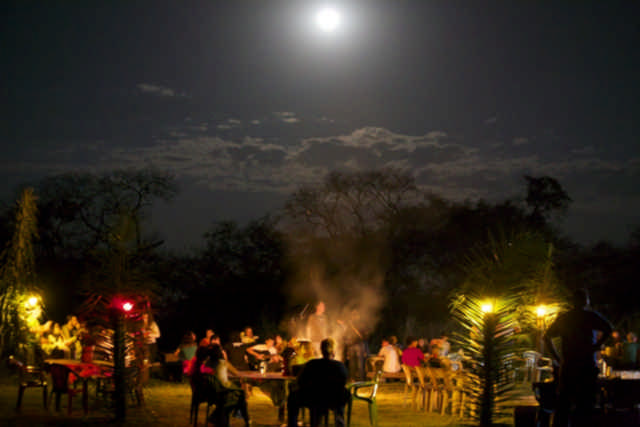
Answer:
(520, 140)
(491, 120)
(230, 123)
(435, 134)
(441, 163)
(286, 116)
(159, 90)
(584, 151)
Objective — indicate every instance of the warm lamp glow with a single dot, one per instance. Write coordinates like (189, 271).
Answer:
(541, 310)
(32, 301)
(487, 307)
(127, 306)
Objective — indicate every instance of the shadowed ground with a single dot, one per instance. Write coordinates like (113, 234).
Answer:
(167, 404)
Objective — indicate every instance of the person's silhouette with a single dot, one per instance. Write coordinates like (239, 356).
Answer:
(577, 386)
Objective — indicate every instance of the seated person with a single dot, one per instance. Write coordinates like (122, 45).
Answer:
(630, 350)
(57, 347)
(412, 356)
(320, 387)
(231, 397)
(215, 339)
(424, 345)
(390, 355)
(288, 355)
(280, 344)
(393, 340)
(247, 337)
(236, 353)
(209, 378)
(267, 353)
(613, 349)
(439, 351)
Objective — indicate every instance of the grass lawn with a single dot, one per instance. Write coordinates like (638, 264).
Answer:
(167, 404)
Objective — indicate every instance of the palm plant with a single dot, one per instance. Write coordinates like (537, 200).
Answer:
(515, 272)
(488, 335)
(17, 277)
(118, 277)
(518, 265)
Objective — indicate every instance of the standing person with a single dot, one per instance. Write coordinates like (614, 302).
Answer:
(630, 351)
(71, 334)
(321, 384)
(188, 346)
(355, 346)
(318, 327)
(150, 333)
(578, 329)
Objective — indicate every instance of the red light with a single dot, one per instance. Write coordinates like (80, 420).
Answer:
(127, 306)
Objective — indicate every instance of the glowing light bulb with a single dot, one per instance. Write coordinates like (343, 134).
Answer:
(127, 306)
(541, 310)
(32, 301)
(487, 307)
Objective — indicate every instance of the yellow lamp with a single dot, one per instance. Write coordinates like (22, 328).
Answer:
(541, 311)
(487, 307)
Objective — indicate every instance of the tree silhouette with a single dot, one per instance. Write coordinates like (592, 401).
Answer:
(545, 196)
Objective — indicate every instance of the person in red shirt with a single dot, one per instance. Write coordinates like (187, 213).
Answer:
(412, 356)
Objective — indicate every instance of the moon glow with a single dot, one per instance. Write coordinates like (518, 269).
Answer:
(327, 19)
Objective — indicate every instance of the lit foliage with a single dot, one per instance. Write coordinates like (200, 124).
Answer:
(490, 341)
(17, 278)
(520, 265)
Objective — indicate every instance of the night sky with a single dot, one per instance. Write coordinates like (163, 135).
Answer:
(245, 100)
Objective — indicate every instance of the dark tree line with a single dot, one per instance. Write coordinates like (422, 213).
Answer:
(351, 232)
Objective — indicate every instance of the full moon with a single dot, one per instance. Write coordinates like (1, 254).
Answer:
(328, 19)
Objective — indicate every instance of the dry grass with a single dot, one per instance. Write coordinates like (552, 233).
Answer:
(167, 404)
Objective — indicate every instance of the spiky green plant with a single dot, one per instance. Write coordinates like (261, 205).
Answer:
(17, 277)
(518, 264)
(488, 337)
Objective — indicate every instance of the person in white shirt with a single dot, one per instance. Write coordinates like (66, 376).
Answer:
(150, 333)
(266, 352)
(391, 359)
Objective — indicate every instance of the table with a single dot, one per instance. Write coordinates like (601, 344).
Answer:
(620, 391)
(256, 378)
(84, 371)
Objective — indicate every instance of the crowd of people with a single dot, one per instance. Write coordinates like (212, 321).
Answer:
(57, 341)
(339, 350)
(246, 351)
(620, 353)
(77, 340)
